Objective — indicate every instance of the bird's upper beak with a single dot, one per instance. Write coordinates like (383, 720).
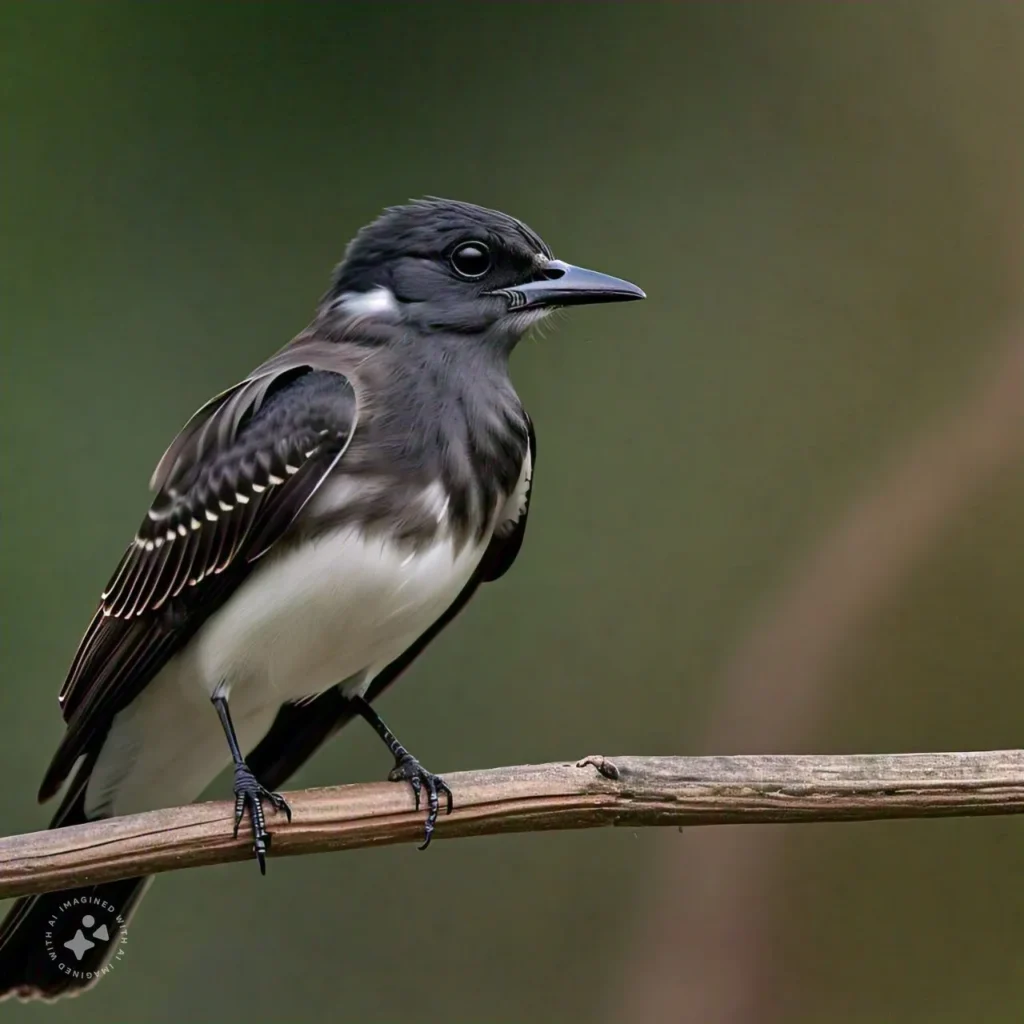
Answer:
(562, 284)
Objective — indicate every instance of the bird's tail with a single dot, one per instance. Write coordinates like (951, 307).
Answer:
(61, 943)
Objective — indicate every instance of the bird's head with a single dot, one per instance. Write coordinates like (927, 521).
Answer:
(451, 267)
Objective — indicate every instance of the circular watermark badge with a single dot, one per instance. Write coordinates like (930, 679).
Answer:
(86, 937)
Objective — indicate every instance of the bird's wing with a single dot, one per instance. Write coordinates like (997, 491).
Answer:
(301, 727)
(227, 488)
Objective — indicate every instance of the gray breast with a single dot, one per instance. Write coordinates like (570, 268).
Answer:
(404, 511)
(440, 446)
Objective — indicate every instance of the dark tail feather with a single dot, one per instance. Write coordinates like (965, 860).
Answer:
(35, 962)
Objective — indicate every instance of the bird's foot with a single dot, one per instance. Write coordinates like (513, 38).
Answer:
(250, 794)
(408, 769)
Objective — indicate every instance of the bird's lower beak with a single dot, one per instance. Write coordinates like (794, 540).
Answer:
(562, 284)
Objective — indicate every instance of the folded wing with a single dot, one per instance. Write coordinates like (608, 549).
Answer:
(227, 489)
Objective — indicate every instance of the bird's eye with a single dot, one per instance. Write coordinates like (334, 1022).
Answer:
(471, 260)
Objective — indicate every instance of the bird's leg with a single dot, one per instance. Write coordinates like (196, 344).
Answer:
(408, 769)
(248, 792)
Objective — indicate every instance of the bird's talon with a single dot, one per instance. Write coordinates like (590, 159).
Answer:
(250, 794)
(408, 769)
(279, 803)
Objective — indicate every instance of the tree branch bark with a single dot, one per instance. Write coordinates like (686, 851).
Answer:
(625, 791)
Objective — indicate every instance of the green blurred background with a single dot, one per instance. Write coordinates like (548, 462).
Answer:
(777, 506)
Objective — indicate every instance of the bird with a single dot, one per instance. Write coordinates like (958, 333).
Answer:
(313, 528)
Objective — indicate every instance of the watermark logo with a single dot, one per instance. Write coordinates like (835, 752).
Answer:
(86, 937)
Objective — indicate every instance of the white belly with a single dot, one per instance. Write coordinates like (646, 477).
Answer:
(325, 611)
(305, 620)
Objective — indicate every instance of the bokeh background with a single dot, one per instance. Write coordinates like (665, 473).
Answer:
(778, 506)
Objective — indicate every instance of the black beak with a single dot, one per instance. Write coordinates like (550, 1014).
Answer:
(562, 284)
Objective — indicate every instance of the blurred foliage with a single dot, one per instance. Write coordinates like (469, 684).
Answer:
(823, 203)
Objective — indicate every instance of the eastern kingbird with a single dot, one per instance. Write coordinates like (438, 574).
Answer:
(314, 528)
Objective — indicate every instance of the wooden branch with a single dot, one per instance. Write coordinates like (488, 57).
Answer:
(627, 791)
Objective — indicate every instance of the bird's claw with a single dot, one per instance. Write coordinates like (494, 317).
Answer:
(250, 794)
(408, 769)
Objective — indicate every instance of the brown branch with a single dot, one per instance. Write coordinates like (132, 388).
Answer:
(629, 791)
